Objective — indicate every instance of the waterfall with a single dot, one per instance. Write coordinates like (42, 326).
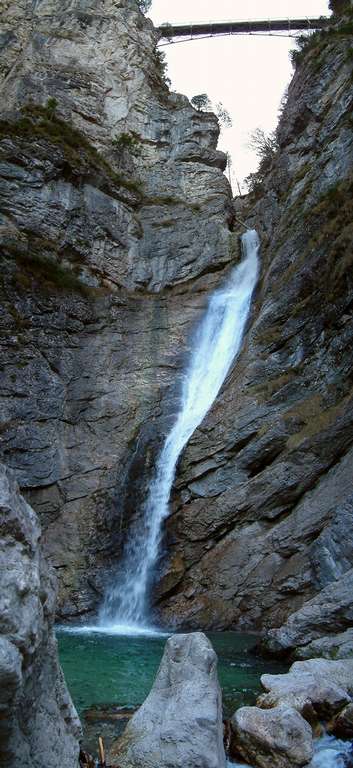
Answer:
(217, 341)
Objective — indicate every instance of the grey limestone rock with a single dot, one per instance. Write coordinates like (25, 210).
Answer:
(262, 506)
(180, 723)
(327, 614)
(274, 738)
(103, 280)
(103, 284)
(335, 646)
(318, 686)
(39, 727)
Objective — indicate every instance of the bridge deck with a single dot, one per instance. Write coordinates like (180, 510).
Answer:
(241, 27)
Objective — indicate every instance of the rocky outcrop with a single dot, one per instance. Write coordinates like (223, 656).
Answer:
(317, 625)
(279, 730)
(317, 688)
(274, 738)
(180, 723)
(262, 506)
(39, 727)
(114, 226)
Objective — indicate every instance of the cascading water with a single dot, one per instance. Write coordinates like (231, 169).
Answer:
(217, 342)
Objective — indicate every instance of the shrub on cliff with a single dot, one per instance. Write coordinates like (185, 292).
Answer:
(127, 142)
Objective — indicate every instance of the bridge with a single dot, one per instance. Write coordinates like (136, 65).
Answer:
(286, 27)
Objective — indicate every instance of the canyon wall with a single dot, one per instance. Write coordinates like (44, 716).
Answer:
(39, 727)
(116, 224)
(262, 510)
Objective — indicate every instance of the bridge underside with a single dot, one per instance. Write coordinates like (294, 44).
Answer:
(169, 31)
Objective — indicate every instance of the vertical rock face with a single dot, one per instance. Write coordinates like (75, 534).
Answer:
(116, 224)
(38, 724)
(262, 509)
(105, 246)
(180, 723)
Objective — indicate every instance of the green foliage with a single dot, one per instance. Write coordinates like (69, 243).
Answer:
(36, 123)
(36, 268)
(162, 67)
(128, 142)
(51, 108)
(333, 216)
(316, 40)
(304, 43)
(201, 102)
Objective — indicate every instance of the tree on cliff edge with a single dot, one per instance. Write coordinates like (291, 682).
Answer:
(201, 102)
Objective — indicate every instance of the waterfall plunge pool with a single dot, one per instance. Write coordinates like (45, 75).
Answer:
(107, 673)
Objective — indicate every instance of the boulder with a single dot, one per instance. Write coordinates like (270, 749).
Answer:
(275, 738)
(180, 723)
(317, 687)
(39, 727)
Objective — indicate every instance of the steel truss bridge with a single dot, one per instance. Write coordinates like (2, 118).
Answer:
(282, 27)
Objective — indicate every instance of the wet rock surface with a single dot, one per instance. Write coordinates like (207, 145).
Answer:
(180, 723)
(39, 727)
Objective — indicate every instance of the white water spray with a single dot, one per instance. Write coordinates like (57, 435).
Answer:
(215, 346)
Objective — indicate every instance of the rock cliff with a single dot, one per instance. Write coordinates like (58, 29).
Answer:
(116, 224)
(262, 510)
(39, 727)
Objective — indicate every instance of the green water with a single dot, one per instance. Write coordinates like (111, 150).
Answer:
(116, 670)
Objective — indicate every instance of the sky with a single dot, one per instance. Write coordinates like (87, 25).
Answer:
(248, 74)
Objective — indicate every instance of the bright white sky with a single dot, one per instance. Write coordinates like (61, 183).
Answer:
(247, 74)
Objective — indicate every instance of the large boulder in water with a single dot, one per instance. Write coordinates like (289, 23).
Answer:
(180, 723)
(274, 738)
